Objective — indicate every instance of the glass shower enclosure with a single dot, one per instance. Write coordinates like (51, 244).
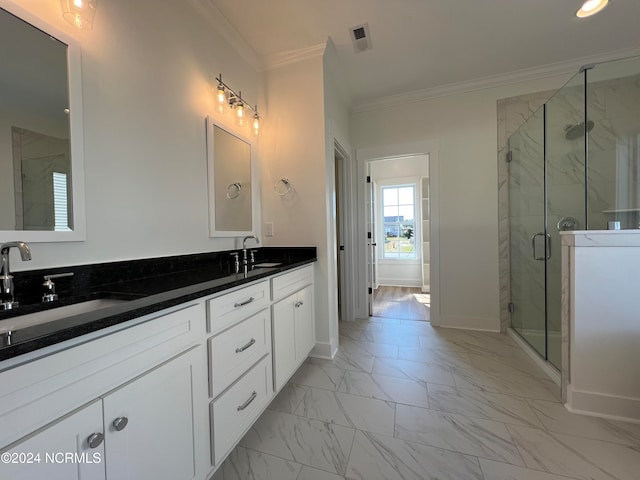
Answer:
(573, 165)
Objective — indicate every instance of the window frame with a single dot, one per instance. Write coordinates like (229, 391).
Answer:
(380, 231)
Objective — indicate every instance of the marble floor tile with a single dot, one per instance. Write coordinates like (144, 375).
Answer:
(576, 457)
(435, 340)
(421, 372)
(502, 471)
(556, 418)
(440, 357)
(368, 414)
(520, 385)
(288, 398)
(479, 404)
(472, 436)
(408, 328)
(347, 360)
(511, 366)
(385, 388)
(309, 473)
(363, 347)
(401, 339)
(310, 442)
(320, 376)
(244, 464)
(347, 327)
(376, 457)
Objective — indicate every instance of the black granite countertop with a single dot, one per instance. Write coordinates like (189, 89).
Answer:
(146, 286)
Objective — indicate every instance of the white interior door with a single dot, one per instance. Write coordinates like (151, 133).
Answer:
(371, 239)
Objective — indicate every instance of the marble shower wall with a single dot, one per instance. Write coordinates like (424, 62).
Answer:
(614, 152)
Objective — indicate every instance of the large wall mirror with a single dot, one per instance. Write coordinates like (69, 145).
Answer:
(41, 140)
(232, 191)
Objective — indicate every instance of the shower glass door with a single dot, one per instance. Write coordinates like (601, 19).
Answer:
(528, 240)
(565, 137)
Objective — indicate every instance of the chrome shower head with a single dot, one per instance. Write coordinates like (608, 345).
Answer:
(577, 130)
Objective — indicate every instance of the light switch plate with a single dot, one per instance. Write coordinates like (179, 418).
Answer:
(268, 229)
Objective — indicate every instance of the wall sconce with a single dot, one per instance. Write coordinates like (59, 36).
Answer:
(79, 12)
(227, 98)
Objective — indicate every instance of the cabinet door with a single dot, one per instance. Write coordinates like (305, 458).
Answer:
(149, 423)
(305, 325)
(284, 341)
(60, 451)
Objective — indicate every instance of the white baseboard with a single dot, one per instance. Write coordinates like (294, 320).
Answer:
(324, 350)
(601, 405)
(537, 359)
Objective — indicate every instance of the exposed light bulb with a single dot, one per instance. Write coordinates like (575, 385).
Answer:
(240, 109)
(591, 7)
(222, 95)
(79, 13)
(256, 123)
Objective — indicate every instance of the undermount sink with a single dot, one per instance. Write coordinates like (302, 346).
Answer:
(38, 318)
(267, 264)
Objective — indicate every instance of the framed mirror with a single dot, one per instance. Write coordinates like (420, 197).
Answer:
(231, 173)
(41, 138)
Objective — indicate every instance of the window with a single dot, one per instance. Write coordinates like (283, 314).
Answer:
(398, 222)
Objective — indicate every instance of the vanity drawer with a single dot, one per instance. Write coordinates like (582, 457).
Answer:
(232, 352)
(291, 282)
(235, 410)
(228, 309)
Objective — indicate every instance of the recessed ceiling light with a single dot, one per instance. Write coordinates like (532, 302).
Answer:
(591, 7)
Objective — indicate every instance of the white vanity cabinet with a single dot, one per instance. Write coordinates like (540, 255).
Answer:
(43, 455)
(240, 370)
(293, 322)
(147, 395)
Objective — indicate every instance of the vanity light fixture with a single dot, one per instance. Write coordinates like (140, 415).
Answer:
(227, 98)
(79, 13)
(591, 7)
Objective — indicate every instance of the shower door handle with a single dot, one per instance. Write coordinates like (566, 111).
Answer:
(547, 238)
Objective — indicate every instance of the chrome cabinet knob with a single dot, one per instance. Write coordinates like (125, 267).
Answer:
(95, 440)
(120, 423)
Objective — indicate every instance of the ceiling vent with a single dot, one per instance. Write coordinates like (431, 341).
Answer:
(361, 38)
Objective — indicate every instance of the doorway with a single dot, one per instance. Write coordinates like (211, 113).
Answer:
(398, 237)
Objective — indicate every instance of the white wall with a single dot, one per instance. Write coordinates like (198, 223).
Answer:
(465, 126)
(293, 147)
(400, 272)
(148, 70)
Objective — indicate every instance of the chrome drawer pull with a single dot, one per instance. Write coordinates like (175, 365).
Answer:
(244, 347)
(95, 440)
(248, 402)
(242, 304)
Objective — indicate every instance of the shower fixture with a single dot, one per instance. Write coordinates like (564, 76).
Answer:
(577, 130)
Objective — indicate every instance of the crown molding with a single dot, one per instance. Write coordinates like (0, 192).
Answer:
(517, 76)
(220, 23)
(281, 59)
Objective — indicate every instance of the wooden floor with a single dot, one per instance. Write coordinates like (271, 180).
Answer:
(405, 303)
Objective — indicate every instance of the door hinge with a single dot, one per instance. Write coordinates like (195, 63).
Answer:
(370, 291)
(509, 156)
(512, 307)
(368, 178)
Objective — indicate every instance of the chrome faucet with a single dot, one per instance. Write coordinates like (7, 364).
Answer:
(7, 300)
(245, 258)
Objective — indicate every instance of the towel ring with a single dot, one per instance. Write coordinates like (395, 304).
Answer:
(233, 190)
(282, 186)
